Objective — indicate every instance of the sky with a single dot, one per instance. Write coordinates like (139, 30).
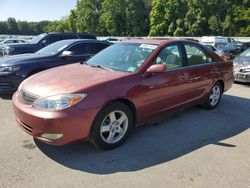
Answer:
(35, 10)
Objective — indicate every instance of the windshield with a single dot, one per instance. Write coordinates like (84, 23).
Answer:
(231, 45)
(125, 57)
(37, 38)
(54, 48)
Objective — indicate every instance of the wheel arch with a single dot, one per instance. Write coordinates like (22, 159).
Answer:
(127, 102)
(222, 84)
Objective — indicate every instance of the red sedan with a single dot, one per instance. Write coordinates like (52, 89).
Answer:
(120, 87)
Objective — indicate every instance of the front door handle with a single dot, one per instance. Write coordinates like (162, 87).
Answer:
(195, 78)
(183, 76)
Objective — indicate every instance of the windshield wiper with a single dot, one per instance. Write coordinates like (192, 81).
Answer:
(101, 67)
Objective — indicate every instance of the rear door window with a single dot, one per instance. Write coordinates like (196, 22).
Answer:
(51, 39)
(68, 36)
(87, 48)
(195, 55)
(86, 36)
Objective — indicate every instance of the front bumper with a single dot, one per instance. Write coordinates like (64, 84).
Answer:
(242, 77)
(9, 83)
(73, 123)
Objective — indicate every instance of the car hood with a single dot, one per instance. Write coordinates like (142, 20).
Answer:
(23, 59)
(75, 78)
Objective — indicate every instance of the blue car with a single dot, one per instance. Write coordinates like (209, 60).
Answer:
(14, 69)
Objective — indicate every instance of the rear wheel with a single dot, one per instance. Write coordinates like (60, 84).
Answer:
(112, 126)
(214, 96)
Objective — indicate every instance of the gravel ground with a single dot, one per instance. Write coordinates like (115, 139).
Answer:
(191, 148)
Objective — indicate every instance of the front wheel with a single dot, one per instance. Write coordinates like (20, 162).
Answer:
(112, 126)
(214, 96)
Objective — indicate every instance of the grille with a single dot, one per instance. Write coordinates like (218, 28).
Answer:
(28, 97)
(6, 85)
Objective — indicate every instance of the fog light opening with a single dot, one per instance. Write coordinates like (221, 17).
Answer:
(51, 136)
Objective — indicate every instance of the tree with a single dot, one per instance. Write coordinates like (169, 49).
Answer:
(4, 28)
(158, 25)
(12, 24)
(137, 18)
(164, 16)
(113, 18)
(23, 27)
(87, 13)
(72, 21)
(214, 25)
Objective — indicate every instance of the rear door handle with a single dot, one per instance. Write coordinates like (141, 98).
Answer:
(214, 70)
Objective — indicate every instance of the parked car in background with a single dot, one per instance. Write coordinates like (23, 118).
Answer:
(224, 56)
(11, 41)
(216, 41)
(242, 67)
(123, 86)
(243, 45)
(41, 41)
(14, 69)
(231, 49)
(211, 47)
(108, 39)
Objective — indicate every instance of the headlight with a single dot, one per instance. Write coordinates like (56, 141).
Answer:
(59, 102)
(9, 69)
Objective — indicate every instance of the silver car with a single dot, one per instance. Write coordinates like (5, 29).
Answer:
(242, 67)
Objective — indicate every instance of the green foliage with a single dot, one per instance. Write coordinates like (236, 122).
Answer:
(87, 14)
(145, 17)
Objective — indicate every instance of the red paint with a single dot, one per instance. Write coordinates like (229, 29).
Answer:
(150, 94)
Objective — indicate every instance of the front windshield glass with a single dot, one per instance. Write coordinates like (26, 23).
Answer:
(125, 57)
(37, 38)
(54, 48)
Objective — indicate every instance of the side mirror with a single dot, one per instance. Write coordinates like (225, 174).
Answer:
(66, 54)
(156, 68)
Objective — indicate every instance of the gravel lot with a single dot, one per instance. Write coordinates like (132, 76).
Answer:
(192, 148)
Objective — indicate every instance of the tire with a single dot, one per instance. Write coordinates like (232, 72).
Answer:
(112, 126)
(214, 97)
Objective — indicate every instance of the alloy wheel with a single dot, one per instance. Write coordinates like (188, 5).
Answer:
(114, 127)
(215, 95)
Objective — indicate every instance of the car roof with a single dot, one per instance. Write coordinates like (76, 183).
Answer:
(82, 40)
(160, 42)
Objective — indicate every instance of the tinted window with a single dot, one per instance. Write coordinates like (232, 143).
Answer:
(68, 37)
(85, 36)
(10, 41)
(52, 38)
(195, 55)
(170, 56)
(38, 38)
(55, 48)
(87, 48)
(97, 47)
